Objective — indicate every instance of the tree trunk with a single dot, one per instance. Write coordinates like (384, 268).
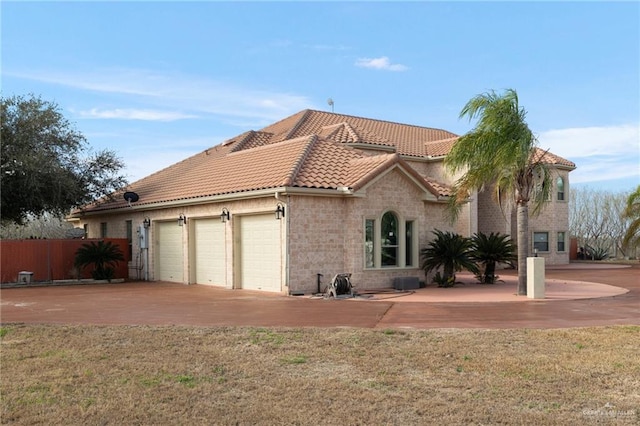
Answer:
(490, 272)
(522, 219)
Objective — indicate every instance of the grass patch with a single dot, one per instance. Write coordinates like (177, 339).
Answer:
(299, 359)
(181, 375)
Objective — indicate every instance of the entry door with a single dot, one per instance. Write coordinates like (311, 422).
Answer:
(169, 252)
(260, 253)
(209, 251)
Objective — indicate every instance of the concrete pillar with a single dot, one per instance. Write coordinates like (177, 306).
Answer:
(535, 277)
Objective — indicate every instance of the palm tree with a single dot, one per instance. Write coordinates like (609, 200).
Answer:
(632, 212)
(489, 250)
(501, 151)
(103, 255)
(449, 251)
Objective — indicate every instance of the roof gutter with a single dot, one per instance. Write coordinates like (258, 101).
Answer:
(261, 193)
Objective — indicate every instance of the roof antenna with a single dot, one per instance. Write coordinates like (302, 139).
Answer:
(330, 102)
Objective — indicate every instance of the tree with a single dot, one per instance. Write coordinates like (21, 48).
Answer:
(46, 165)
(597, 219)
(489, 250)
(450, 251)
(501, 151)
(632, 213)
(43, 226)
(102, 255)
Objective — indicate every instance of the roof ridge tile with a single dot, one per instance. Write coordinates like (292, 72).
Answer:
(299, 163)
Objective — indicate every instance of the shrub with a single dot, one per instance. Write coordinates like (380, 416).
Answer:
(488, 250)
(449, 251)
(102, 255)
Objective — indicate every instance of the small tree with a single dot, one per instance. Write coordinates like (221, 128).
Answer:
(632, 213)
(450, 251)
(103, 255)
(488, 250)
(501, 151)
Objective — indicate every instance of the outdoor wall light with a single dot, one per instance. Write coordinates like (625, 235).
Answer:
(182, 220)
(279, 211)
(225, 216)
(146, 223)
(535, 252)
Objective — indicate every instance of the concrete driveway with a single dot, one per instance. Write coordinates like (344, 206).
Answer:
(616, 302)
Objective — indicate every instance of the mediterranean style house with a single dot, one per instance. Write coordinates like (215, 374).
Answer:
(313, 195)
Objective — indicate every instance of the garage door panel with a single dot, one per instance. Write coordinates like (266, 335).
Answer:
(170, 252)
(260, 253)
(209, 246)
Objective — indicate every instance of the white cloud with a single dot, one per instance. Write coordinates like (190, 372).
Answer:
(195, 95)
(133, 114)
(600, 153)
(381, 63)
(593, 141)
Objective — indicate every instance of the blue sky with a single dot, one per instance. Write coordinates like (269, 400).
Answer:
(160, 81)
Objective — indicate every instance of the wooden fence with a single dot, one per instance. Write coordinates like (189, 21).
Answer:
(51, 260)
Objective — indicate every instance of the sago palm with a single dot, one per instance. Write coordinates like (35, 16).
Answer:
(448, 251)
(489, 250)
(501, 152)
(103, 255)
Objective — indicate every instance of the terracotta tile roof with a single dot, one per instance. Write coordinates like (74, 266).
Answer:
(407, 139)
(442, 189)
(310, 149)
(439, 148)
(305, 162)
(550, 158)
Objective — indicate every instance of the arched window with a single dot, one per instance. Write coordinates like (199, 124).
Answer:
(389, 239)
(560, 188)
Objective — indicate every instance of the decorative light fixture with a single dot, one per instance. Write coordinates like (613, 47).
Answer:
(146, 223)
(535, 252)
(279, 211)
(182, 220)
(225, 216)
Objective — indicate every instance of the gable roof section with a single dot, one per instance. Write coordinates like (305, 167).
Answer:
(550, 158)
(310, 149)
(304, 162)
(406, 139)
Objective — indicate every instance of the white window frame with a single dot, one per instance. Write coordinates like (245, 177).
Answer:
(564, 241)
(564, 189)
(374, 248)
(533, 239)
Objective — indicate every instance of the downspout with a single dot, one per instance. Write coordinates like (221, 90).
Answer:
(286, 241)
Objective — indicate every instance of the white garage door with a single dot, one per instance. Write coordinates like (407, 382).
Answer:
(169, 252)
(260, 253)
(209, 251)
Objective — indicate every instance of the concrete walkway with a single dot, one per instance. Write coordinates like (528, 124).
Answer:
(578, 295)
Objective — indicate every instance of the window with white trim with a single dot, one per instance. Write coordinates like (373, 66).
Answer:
(561, 242)
(560, 188)
(369, 243)
(408, 243)
(390, 241)
(541, 241)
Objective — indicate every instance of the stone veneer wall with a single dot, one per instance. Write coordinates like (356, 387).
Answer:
(553, 218)
(116, 228)
(326, 234)
(334, 230)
